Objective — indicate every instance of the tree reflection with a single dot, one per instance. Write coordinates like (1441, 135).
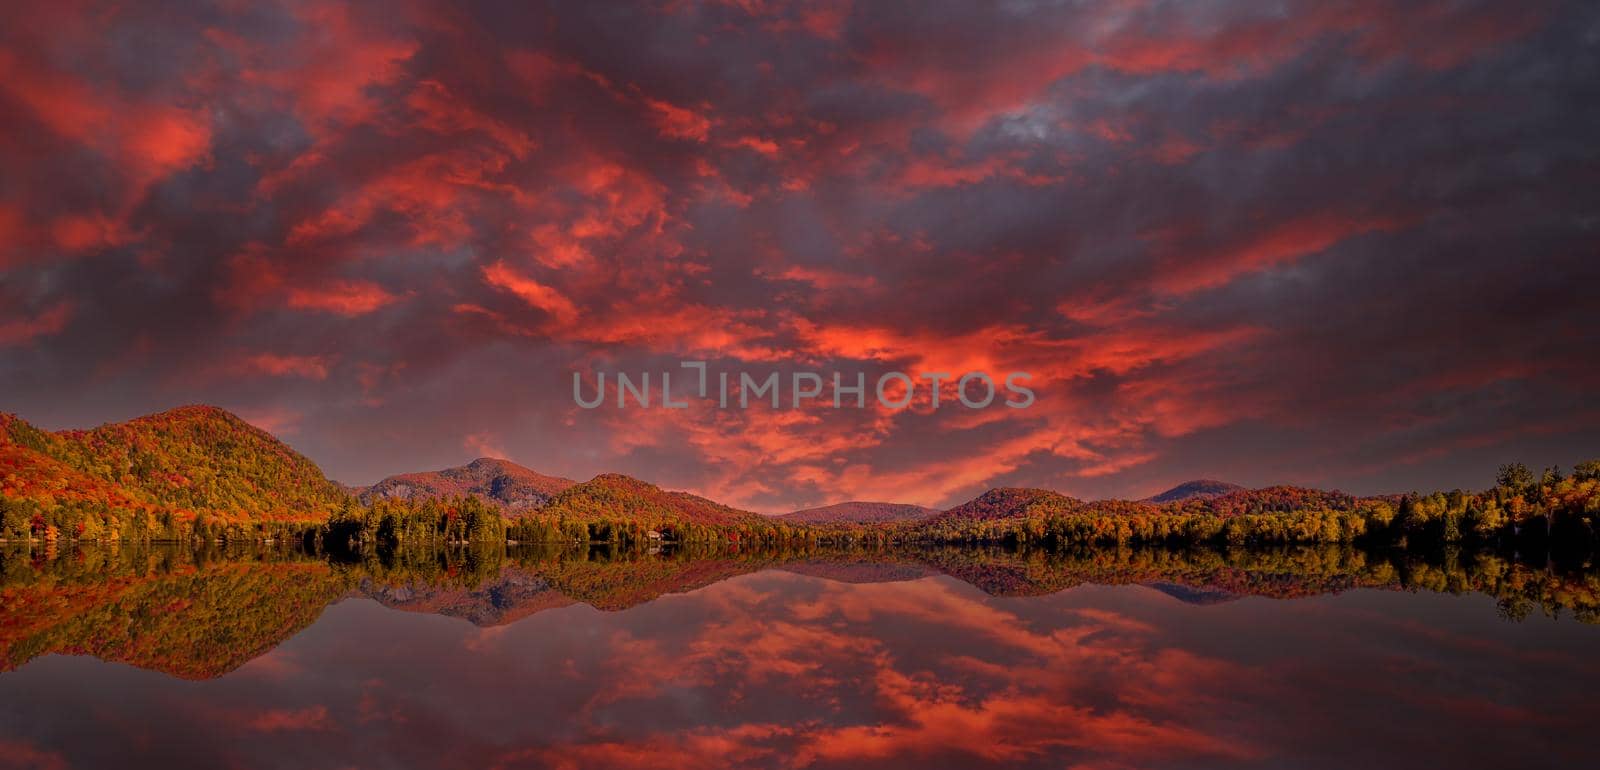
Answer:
(199, 613)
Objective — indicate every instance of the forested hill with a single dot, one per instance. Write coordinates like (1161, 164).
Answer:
(1013, 502)
(612, 504)
(155, 476)
(855, 512)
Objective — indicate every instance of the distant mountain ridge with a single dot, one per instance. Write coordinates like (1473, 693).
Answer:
(856, 512)
(1199, 488)
(501, 482)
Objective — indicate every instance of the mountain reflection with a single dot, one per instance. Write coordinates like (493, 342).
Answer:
(939, 658)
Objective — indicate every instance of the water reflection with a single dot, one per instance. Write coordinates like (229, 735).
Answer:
(760, 659)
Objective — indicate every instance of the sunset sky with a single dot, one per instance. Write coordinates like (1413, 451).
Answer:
(1348, 244)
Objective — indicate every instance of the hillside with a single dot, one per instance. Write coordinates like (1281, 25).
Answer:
(1199, 488)
(1010, 502)
(613, 495)
(154, 476)
(859, 513)
(500, 482)
(613, 507)
(1276, 499)
(33, 479)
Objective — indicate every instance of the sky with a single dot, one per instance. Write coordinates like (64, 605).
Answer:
(1349, 244)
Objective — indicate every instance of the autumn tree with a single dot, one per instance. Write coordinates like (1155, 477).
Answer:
(1515, 477)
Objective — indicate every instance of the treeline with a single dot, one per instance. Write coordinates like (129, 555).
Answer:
(1544, 511)
(1551, 509)
(1521, 508)
(459, 520)
(612, 508)
(29, 519)
(427, 522)
(624, 529)
(385, 523)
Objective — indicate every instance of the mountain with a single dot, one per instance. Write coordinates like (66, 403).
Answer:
(156, 472)
(859, 513)
(494, 481)
(1199, 488)
(1009, 502)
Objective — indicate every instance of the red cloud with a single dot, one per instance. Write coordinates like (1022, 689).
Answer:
(1188, 269)
(679, 122)
(326, 73)
(537, 295)
(136, 141)
(346, 298)
(256, 279)
(52, 320)
(148, 140)
(277, 365)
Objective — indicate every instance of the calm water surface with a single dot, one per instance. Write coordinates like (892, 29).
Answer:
(788, 666)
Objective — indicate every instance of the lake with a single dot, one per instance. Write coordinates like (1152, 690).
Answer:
(960, 658)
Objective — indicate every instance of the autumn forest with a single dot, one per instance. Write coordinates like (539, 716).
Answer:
(199, 474)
